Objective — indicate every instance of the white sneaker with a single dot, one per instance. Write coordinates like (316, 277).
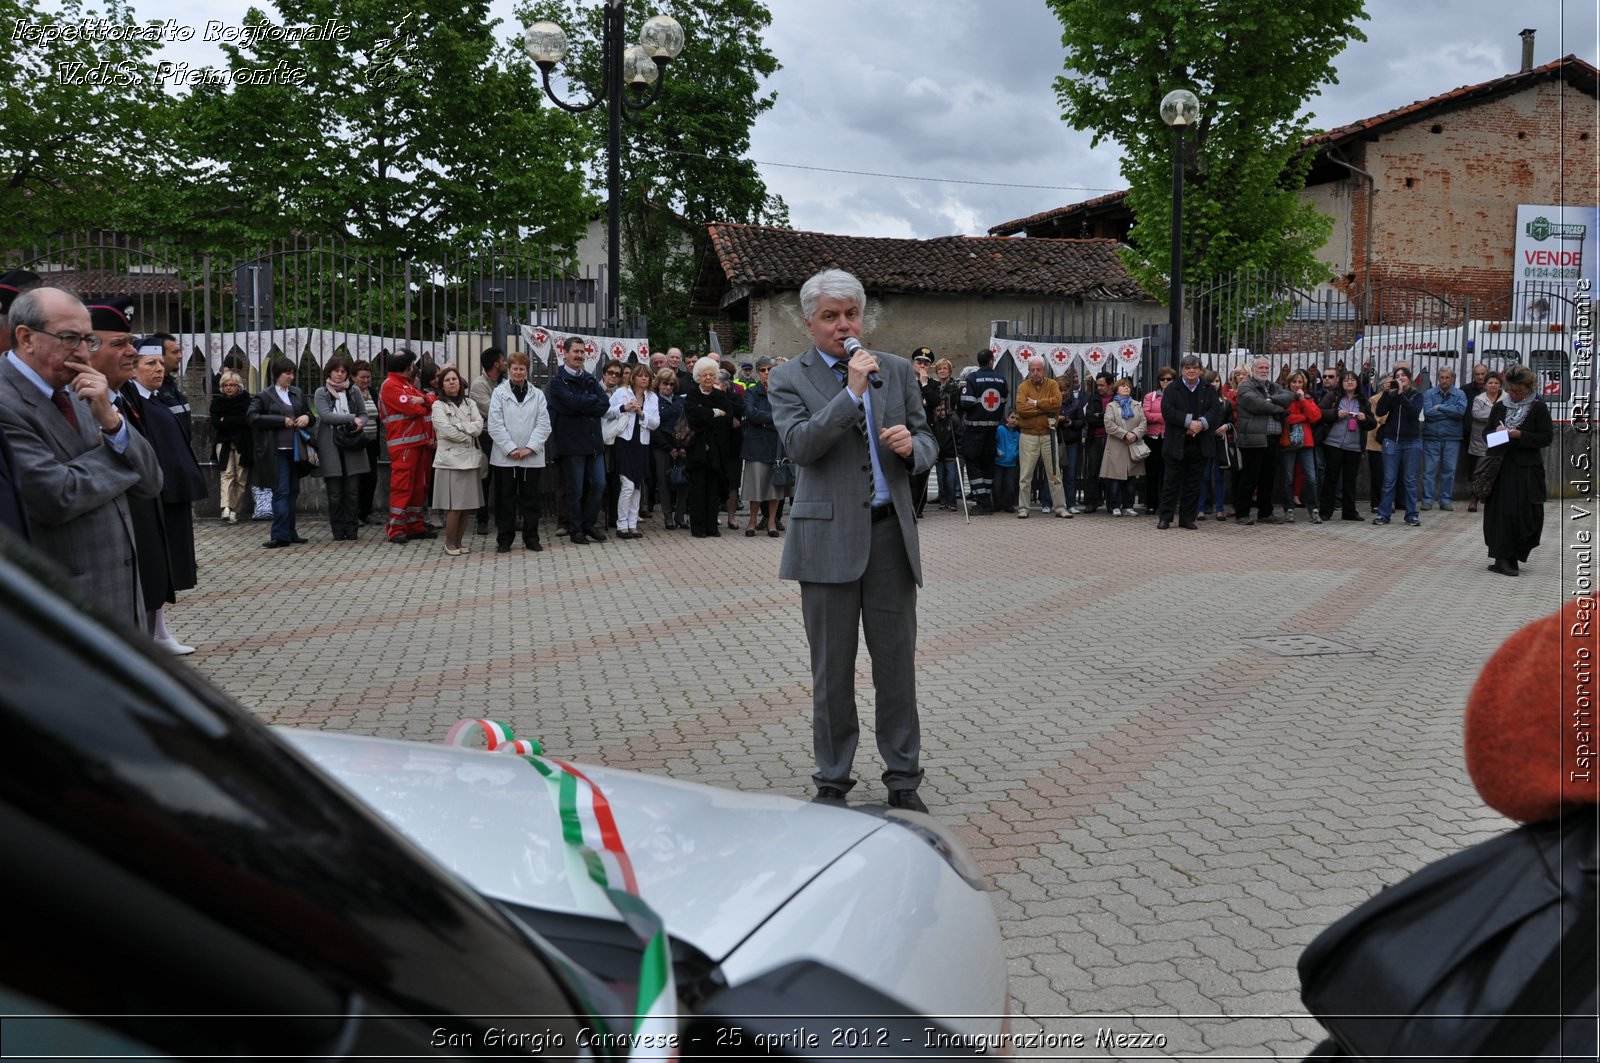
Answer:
(1022, 512)
(226, 513)
(1116, 512)
(1074, 510)
(1063, 512)
(174, 647)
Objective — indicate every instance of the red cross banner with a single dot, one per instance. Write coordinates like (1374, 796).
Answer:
(1124, 354)
(539, 342)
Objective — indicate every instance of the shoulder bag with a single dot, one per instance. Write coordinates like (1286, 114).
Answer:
(1485, 473)
(783, 473)
(1138, 450)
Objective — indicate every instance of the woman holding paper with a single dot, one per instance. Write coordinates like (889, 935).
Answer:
(1519, 428)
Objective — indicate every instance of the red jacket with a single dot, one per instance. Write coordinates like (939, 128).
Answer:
(1301, 411)
(407, 413)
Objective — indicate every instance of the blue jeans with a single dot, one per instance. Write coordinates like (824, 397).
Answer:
(585, 480)
(285, 495)
(1400, 462)
(1306, 458)
(1439, 460)
(1069, 473)
(949, 483)
(1212, 484)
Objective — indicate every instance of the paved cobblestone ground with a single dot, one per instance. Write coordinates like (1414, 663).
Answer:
(1168, 810)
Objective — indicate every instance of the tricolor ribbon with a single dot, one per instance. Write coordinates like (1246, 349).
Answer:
(590, 830)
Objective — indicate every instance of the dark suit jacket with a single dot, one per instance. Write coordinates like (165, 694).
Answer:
(1178, 404)
(576, 406)
(13, 514)
(73, 485)
(822, 430)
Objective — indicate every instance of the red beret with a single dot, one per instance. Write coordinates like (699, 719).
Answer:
(1531, 735)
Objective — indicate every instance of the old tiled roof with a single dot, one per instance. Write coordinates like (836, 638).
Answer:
(759, 257)
(1017, 225)
(1568, 68)
(105, 283)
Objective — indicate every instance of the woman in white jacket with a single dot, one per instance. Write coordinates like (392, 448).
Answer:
(457, 486)
(638, 410)
(519, 426)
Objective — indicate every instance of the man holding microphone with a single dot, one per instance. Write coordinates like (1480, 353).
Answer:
(853, 424)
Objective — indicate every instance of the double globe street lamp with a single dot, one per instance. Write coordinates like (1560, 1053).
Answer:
(1179, 109)
(640, 67)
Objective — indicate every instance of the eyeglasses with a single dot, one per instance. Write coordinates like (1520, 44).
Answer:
(71, 340)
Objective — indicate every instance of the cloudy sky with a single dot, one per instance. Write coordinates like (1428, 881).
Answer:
(945, 108)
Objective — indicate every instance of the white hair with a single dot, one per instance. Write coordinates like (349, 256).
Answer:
(830, 284)
(705, 363)
(1035, 360)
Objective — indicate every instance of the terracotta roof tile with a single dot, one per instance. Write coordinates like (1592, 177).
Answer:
(762, 257)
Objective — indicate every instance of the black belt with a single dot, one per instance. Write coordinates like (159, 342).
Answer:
(883, 512)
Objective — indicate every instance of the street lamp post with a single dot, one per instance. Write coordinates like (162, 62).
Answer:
(1179, 109)
(640, 67)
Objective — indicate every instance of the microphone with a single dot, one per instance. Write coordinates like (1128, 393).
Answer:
(851, 346)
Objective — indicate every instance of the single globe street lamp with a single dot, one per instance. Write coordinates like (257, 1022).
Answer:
(640, 67)
(1179, 109)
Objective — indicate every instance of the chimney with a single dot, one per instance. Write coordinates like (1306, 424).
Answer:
(1527, 50)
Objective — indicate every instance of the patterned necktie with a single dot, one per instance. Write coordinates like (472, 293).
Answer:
(840, 370)
(64, 404)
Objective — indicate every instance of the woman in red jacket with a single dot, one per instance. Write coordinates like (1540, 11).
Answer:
(1297, 446)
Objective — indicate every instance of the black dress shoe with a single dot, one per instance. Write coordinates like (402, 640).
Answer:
(1163, 525)
(1506, 568)
(829, 795)
(908, 800)
(502, 548)
(297, 539)
(275, 544)
(426, 533)
(774, 534)
(535, 546)
(399, 540)
(595, 535)
(781, 527)
(714, 533)
(1188, 525)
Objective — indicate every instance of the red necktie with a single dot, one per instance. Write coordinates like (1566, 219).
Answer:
(64, 404)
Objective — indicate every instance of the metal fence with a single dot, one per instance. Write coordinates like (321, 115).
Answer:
(310, 299)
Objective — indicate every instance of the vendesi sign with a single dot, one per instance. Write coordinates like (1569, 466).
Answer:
(1555, 244)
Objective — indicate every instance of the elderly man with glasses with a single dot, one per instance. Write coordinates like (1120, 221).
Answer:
(77, 457)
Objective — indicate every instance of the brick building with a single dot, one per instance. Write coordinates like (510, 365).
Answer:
(944, 293)
(1425, 196)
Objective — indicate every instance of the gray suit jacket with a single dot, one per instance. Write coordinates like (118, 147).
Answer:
(73, 485)
(822, 432)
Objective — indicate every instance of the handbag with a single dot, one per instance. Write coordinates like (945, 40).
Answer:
(1485, 473)
(1138, 450)
(1489, 952)
(1297, 436)
(611, 429)
(349, 437)
(783, 473)
(306, 460)
(677, 475)
(1230, 458)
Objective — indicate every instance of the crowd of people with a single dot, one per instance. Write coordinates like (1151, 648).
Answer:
(97, 463)
(1270, 449)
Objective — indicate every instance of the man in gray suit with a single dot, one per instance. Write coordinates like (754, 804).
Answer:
(76, 455)
(853, 540)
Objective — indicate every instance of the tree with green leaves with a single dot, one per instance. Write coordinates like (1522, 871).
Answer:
(684, 161)
(82, 116)
(1253, 64)
(402, 125)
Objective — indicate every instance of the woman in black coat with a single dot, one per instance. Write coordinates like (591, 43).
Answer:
(1513, 517)
(712, 462)
(235, 451)
(279, 414)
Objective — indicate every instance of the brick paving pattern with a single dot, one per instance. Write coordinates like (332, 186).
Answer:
(1168, 810)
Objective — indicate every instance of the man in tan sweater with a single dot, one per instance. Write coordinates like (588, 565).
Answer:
(1038, 403)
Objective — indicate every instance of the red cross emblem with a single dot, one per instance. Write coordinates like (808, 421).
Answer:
(1060, 356)
(540, 337)
(589, 349)
(990, 400)
(1026, 354)
(995, 347)
(618, 350)
(1128, 353)
(644, 349)
(1095, 355)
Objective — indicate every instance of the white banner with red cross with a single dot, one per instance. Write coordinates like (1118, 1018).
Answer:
(1101, 354)
(540, 341)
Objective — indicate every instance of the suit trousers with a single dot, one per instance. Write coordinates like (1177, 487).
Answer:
(1180, 482)
(883, 603)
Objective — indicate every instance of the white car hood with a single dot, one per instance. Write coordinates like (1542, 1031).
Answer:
(714, 863)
